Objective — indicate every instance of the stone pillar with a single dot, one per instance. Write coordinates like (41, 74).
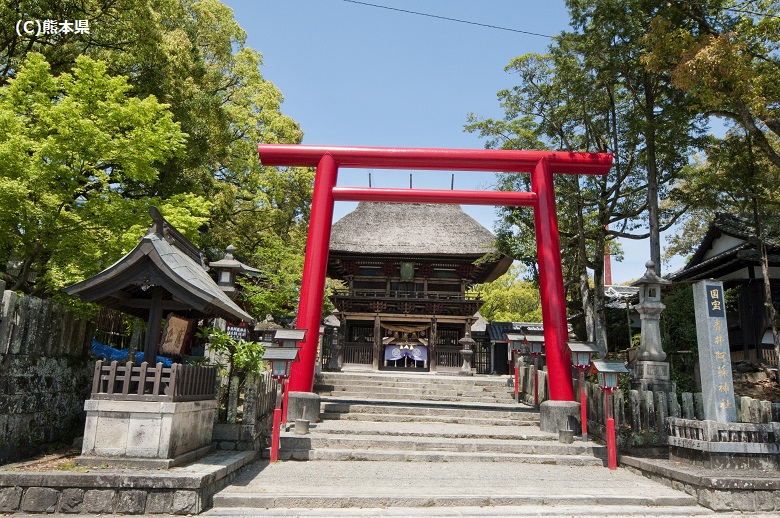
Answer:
(337, 338)
(378, 350)
(432, 338)
(714, 355)
(467, 350)
(651, 372)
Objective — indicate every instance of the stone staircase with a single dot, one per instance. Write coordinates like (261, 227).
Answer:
(428, 418)
(413, 441)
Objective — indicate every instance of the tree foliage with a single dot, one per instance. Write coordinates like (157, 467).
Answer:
(590, 93)
(191, 56)
(510, 298)
(724, 55)
(76, 153)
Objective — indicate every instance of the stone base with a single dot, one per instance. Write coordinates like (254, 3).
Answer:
(141, 463)
(725, 460)
(123, 431)
(303, 405)
(713, 444)
(560, 415)
(651, 376)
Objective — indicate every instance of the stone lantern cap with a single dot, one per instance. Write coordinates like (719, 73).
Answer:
(650, 277)
(229, 263)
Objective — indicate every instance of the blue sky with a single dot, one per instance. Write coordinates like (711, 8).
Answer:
(353, 74)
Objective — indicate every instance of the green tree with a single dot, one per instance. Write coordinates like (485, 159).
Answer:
(724, 55)
(586, 95)
(510, 298)
(192, 56)
(75, 148)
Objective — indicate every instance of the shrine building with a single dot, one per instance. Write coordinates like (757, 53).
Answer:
(407, 269)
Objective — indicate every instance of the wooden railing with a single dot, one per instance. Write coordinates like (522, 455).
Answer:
(144, 382)
(398, 294)
(359, 353)
(448, 356)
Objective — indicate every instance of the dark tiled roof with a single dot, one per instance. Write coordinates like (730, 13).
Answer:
(739, 256)
(161, 258)
(497, 330)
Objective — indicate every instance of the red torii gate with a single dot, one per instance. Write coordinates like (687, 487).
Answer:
(541, 164)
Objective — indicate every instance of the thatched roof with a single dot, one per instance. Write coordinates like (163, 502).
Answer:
(410, 229)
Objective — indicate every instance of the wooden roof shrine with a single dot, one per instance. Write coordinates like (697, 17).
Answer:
(164, 273)
(419, 232)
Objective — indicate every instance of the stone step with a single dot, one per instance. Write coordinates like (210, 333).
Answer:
(516, 431)
(469, 488)
(333, 454)
(401, 418)
(419, 397)
(406, 377)
(373, 442)
(516, 413)
(425, 389)
(413, 384)
(515, 506)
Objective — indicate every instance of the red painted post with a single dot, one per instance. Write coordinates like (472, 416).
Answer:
(611, 444)
(285, 400)
(314, 267)
(276, 426)
(551, 283)
(517, 377)
(583, 405)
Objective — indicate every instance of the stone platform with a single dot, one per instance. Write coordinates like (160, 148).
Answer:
(182, 490)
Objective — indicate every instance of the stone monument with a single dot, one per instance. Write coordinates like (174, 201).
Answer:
(719, 441)
(651, 372)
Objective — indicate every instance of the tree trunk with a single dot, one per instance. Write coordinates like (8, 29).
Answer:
(768, 303)
(652, 179)
(582, 267)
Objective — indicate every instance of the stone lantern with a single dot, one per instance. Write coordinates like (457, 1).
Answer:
(227, 268)
(651, 372)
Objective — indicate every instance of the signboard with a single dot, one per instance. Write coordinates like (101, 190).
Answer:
(407, 271)
(714, 355)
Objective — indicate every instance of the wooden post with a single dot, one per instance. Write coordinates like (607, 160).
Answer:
(153, 329)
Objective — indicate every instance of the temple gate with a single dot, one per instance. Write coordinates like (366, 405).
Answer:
(540, 164)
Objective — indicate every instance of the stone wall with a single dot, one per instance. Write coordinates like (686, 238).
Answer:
(45, 374)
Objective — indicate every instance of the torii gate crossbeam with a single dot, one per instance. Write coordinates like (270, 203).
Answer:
(540, 164)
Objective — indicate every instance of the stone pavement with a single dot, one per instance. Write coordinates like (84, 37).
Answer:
(405, 457)
(404, 445)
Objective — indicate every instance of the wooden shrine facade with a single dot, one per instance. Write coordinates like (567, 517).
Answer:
(407, 269)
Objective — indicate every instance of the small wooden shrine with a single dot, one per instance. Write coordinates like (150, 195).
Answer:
(150, 414)
(407, 268)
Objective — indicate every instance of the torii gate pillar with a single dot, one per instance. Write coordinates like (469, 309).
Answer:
(541, 164)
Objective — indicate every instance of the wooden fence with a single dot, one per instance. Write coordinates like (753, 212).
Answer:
(144, 382)
(246, 422)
